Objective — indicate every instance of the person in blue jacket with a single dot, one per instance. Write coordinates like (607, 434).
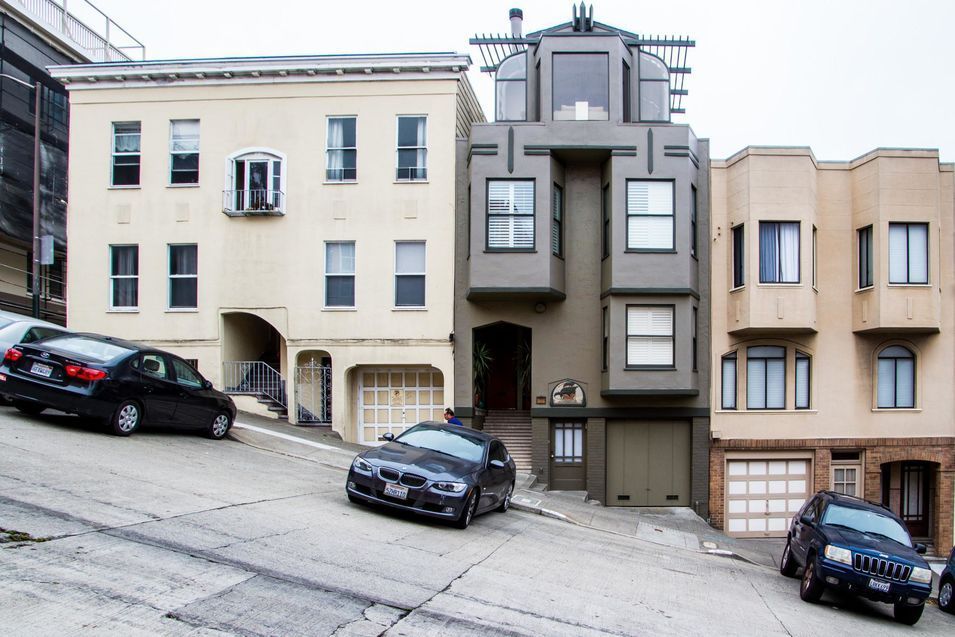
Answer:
(450, 418)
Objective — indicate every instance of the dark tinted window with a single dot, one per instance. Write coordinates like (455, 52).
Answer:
(185, 375)
(459, 445)
(497, 452)
(36, 333)
(153, 365)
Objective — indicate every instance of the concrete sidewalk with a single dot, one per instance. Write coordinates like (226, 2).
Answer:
(676, 527)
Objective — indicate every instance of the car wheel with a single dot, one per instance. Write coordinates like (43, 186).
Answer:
(787, 565)
(470, 508)
(219, 426)
(28, 408)
(127, 418)
(945, 595)
(812, 587)
(506, 504)
(905, 614)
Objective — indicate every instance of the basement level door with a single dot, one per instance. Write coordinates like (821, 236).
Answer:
(763, 495)
(648, 463)
(567, 469)
(392, 400)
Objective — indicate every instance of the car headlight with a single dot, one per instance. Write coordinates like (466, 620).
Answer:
(921, 575)
(450, 487)
(839, 554)
(361, 465)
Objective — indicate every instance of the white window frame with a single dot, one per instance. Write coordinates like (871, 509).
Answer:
(256, 154)
(651, 336)
(423, 274)
(512, 215)
(113, 278)
(171, 277)
(652, 212)
(114, 154)
(351, 274)
(329, 149)
(173, 152)
(399, 148)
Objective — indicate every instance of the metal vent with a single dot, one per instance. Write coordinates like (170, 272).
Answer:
(389, 475)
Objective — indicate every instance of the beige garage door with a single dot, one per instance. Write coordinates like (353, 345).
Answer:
(763, 495)
(392, 400)
(648, 463)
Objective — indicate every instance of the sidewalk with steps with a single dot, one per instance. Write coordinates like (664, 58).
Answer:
(513, 428)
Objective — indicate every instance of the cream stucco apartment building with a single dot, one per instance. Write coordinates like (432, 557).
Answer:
(286, 223)
(833, 337)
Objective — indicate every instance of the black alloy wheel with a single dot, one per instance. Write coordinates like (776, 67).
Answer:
(127, 418)
(219, 426)
(467, 514)
(29, 408)
(812, 587)
(506, 504)
(787, 565)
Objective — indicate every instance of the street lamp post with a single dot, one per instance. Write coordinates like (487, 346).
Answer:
(35, 265)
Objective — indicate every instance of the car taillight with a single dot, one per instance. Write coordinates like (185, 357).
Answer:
(13, 355)
(84, 373)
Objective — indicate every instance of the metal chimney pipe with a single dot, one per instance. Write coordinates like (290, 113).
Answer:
(517, 23)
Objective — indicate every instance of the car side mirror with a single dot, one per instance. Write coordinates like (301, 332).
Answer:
(387, 437)
(920, 549)
(497, 464)
(207, 384)
(805, 519)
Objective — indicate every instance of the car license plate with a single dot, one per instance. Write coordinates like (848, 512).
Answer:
(41, 370)
(879, 585)
(395, 491)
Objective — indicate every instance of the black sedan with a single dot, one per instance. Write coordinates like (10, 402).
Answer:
(441, 471)
(114, 380)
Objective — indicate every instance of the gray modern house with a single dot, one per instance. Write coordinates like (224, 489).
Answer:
(582, 268)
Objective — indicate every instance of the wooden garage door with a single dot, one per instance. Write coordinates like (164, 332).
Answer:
(648, 463)
(762, 495)
(392, 400)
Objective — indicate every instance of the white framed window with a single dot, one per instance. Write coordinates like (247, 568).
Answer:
(127, 149)
(255, 178)
(729, 381)
(412, 148)
(510, 214)
(409, 273)
(123, 277)
(340, 274)
(183, 151)
(845, 479)
(908, 253)
(803, 378)
(779, 252)
(896, 378)
(766, 377)
(341, 149)
(650, 215)
(183, 277)
(649, 336)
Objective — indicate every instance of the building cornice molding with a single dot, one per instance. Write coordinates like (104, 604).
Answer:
(806, 151)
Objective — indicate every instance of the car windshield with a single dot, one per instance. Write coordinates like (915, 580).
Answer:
(453, 443)
(92, 348)
(868, 522)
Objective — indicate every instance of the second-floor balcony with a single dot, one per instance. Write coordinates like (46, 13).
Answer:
(253, 203)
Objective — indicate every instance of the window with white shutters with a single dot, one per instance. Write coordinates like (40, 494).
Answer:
(510, 214)
(650, 215)
(649, 336)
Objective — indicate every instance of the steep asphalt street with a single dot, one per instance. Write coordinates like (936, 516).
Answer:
(170, 533)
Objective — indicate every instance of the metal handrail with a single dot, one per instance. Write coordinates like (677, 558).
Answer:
(254, 377)
(253, 201)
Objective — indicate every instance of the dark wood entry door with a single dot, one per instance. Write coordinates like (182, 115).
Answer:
(915, 492)
(567, 468)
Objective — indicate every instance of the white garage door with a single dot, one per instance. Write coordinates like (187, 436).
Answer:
(763, 495)
(391, 400)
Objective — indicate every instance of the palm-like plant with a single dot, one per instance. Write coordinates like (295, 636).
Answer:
(481, 360)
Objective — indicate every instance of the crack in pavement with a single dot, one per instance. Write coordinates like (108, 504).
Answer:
(771, 611)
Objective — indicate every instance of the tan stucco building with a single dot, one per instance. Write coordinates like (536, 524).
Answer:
(286, 223)
(832, 337)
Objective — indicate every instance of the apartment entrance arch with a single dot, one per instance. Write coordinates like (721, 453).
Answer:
(252, 354)
(502, 366)
(908, 489)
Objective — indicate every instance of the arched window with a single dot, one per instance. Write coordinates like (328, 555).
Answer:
(654, 89)
(896, 380)
(766, 377)
(511, 89)
(254, 182)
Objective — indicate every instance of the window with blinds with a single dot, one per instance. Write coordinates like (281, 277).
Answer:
(510, 214)
(908, 253)
(649, 336)
(896, 381)
(649, 215)
(802, 380)
(729, 381)
(766, 377)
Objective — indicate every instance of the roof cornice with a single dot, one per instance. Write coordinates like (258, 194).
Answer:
(262, 70)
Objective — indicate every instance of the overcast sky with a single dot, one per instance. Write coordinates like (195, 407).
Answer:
(840, 76)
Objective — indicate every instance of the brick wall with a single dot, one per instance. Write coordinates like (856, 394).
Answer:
(878, 451)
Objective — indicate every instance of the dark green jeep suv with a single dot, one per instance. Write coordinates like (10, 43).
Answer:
(858, 547)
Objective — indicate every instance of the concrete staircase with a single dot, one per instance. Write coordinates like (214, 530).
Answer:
(513, 427)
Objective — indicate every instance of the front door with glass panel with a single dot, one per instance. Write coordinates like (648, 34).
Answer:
(914, 502)
(567, 469)
(392, 400)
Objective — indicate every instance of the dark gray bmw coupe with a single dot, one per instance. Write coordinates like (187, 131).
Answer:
(442, 471)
